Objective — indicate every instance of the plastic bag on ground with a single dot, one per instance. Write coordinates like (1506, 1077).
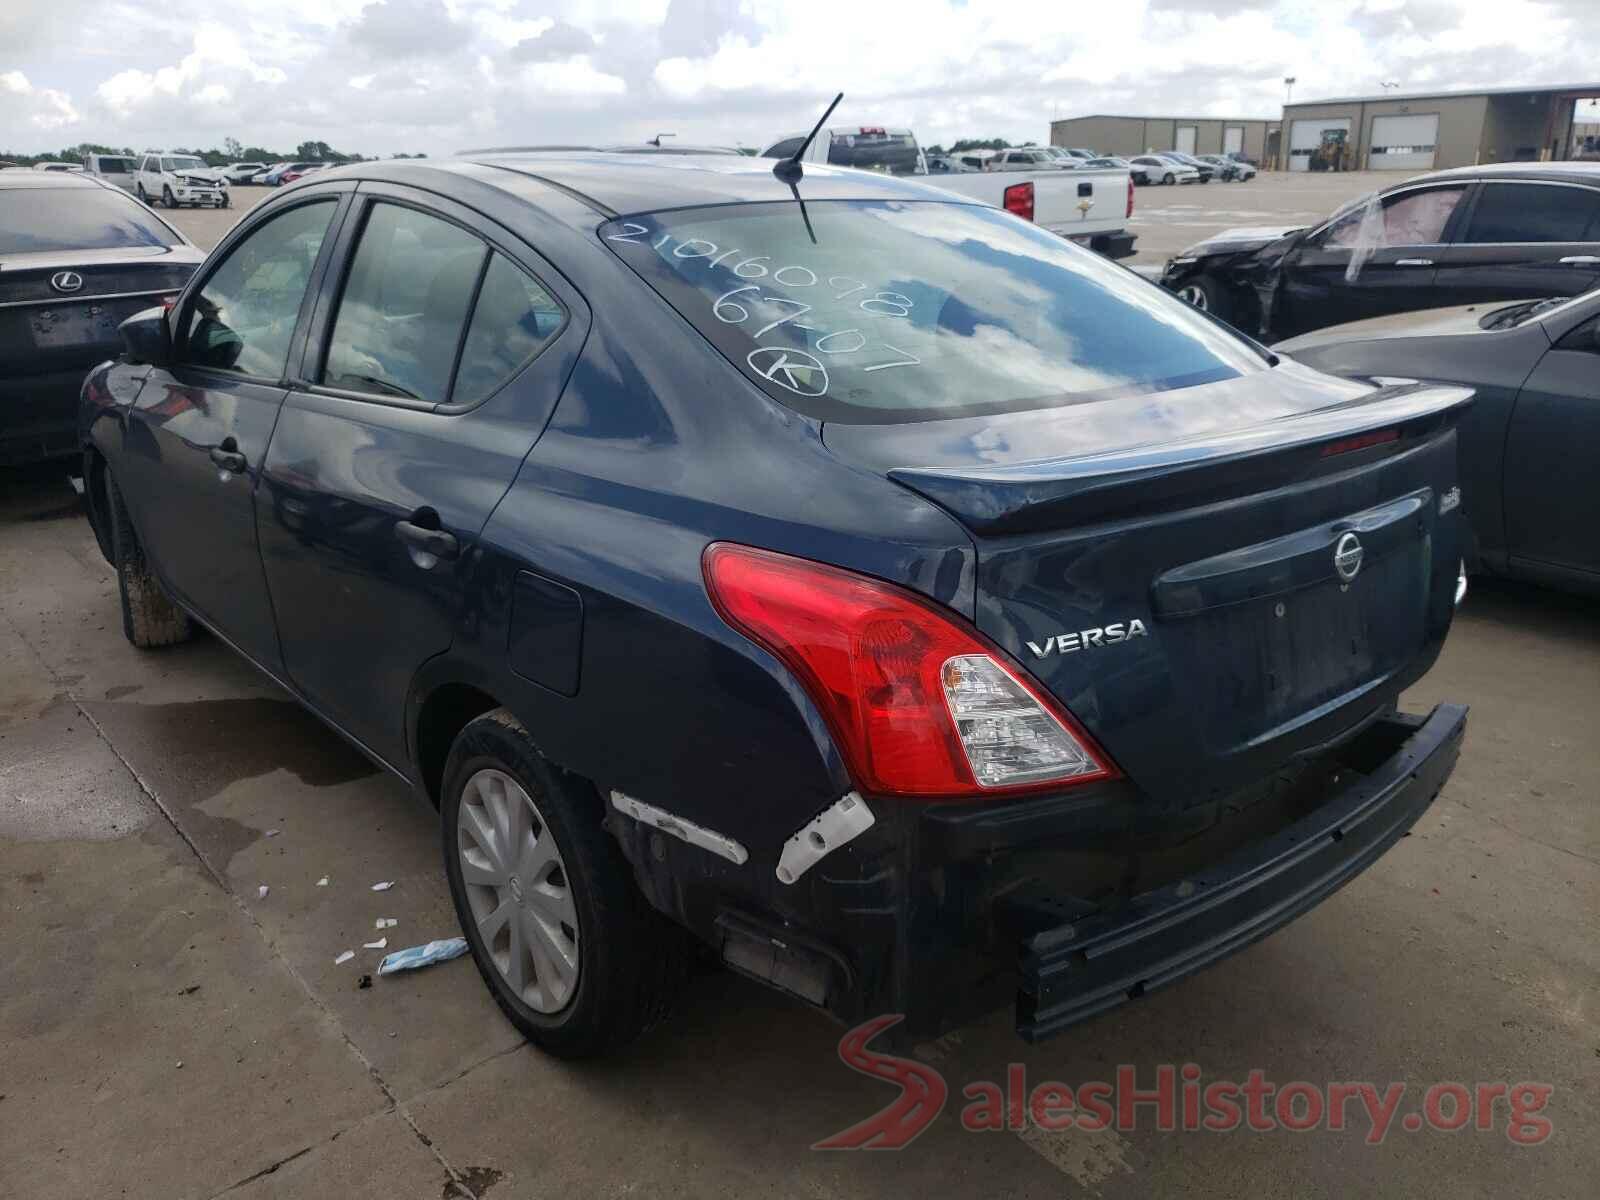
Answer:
(413, 957)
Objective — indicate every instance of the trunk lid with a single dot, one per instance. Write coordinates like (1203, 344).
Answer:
(1166, 563)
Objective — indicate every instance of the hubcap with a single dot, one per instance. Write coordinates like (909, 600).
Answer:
(518, 890)
(1195, 296)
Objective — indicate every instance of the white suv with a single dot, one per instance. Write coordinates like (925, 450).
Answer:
(179, 179)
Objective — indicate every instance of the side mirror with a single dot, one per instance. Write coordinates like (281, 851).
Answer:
(146, 337)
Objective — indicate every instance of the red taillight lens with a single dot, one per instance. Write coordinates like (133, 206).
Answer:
(1019, 200)
(1360, 442)
(1129, 213)
(919, 703)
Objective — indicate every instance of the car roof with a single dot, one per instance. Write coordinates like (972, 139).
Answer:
(1581, 172)
(27, 177)
(615, 184)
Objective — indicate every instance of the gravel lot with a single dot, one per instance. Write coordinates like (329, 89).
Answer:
(168, 1030)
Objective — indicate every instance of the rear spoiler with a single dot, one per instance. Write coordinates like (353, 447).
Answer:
(1053, 492)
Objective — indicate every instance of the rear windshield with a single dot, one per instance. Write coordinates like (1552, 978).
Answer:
(877, 150)
(910, 311)
(90, 218)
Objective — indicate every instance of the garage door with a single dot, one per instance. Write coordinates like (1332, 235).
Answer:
(1185, 139)
(1233, 139)
(1306, 136)
(1404, 143)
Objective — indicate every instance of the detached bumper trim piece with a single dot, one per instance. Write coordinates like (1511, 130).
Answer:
(696, 835)
(1075, 971)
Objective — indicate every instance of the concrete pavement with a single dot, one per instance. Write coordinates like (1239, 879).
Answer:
(138, 792)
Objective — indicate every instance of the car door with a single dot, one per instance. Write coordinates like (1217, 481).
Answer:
(1552, 474)
(197, 435)
(1524, 240)
(1372, 261)
(430, 371)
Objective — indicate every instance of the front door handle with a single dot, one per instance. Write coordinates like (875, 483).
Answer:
(427, 546)
(1581, 260)
(227, 456)
(1413, 262)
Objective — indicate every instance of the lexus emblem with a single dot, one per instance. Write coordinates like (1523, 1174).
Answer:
(66, 281)
(1347, 556)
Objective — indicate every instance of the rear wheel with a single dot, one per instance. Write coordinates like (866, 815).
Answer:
(149, 617)
(1207, 295)
(570, 949)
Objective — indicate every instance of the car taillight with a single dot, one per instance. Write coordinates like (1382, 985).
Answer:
(1129, 213)
(1019, 200)
(919, 702)
(1360, 442)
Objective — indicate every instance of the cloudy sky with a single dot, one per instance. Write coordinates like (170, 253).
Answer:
(381, 76)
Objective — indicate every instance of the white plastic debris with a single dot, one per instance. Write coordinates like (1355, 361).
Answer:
(262, 891)
(385, 923)
(422, 956)
(323, 882)
(381, 944)
(384, 886)
(344, 958)
(274, 832)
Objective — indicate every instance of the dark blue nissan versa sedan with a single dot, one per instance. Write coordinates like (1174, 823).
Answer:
(920, 611)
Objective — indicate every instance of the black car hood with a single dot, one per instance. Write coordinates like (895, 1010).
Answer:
(1240, 240)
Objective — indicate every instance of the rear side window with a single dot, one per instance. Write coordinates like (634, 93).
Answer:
(512, 321)
(87, 218)
(1514, 212)
(404, 306)
(907, 311)
(245, 314)
(785, 148)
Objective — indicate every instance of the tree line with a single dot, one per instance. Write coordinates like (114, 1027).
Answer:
(976, 144)
(232, 151)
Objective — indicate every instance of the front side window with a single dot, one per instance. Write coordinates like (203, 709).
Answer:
(404, 306)
(1410, 219)
(245, 314)
(906, 311)
(1512, 212)
(89, 218)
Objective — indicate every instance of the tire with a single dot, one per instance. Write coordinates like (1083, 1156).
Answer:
(630, 960)
(149, 617)
(1206, 294)
(1169, 179)
(138, 191)
(168, 200)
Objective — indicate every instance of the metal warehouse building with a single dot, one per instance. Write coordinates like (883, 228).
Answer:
(1256, 137)
(1433, 129)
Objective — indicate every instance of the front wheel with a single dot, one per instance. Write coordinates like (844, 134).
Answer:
(138, 190)
(1206, 294)
(1169, 179)
(168, 200)
(570, 949)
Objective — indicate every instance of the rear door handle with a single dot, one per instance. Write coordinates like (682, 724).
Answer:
(1413, 262)
(1581, 260)
(424, 543)
(227, 456)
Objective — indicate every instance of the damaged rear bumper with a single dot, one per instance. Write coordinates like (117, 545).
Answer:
(1076, 970)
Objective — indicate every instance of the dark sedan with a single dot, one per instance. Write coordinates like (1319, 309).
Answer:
(1530, 448)
(912, 606)
(1509, 231)
(76, 256)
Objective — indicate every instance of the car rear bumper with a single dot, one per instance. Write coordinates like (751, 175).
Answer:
(39, 415)
(1083, 967)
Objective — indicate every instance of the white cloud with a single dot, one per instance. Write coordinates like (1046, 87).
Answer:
(573, 77)
(38, 108)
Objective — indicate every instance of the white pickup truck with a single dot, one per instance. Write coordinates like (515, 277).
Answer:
(1090, 205)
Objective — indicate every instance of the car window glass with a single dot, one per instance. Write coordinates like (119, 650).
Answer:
(245, 314)
(876, 150)
(91, 218)
(404, 305)
(784, 149)
(513, 318)
(1410, 219)
(1509, 212)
